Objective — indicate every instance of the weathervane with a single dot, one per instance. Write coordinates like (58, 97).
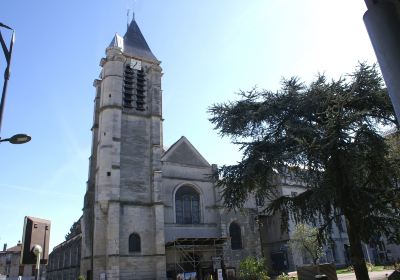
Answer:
(128, 21)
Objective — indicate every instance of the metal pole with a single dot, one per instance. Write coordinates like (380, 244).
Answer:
(3, 100)
(37, 276)
(7, 54)
(382, 21)
(37, 251)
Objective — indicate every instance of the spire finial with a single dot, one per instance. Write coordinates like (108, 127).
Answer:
(127, 18)
(133, 9)
(128, 11)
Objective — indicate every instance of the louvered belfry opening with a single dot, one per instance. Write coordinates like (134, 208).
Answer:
(134, 82)
(140, 90)
(129, 78)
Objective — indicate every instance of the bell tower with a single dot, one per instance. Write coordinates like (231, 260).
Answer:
(123, 216)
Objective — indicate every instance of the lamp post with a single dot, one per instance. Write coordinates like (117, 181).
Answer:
(37, 250)
(18, 138)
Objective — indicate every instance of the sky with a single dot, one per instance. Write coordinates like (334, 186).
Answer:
(209, 50)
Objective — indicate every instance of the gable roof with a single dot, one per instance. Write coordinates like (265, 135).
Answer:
(183, 152)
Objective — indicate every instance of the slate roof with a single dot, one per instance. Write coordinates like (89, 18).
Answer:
(133, 43)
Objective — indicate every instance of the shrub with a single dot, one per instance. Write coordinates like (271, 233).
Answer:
(252, 269)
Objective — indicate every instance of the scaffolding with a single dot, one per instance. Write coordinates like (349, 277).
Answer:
(189, 252)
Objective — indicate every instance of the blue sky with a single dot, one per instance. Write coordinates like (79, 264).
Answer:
(209, 50)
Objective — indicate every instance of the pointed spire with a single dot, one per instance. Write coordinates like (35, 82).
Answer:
(117, 42)
(135, 44)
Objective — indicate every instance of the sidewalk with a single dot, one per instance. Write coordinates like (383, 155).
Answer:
(375, 275)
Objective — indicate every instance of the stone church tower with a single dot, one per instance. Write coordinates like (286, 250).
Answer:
(123, 212)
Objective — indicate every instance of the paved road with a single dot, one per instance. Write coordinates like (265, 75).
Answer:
(376, 275)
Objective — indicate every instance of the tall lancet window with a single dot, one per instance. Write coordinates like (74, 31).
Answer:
(187, 206)
(236, 236)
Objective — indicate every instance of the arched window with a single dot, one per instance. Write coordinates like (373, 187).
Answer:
(187, 206)
(134, 243)
(236, 236)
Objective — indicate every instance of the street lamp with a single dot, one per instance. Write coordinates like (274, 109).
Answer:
(17, 139)
(7, 54)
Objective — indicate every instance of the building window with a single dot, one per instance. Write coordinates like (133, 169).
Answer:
(134, 243)
(187, 206)
(236, 236)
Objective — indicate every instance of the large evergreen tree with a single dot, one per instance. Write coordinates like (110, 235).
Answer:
(329, 134)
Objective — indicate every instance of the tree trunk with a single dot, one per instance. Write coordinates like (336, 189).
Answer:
(356, 253)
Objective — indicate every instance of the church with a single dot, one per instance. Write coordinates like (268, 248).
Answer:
(154, 213)
(151, 212)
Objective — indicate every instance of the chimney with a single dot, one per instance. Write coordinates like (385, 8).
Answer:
(5, 247)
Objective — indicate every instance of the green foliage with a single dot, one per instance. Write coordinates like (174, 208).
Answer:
(328, 134)
(305, 240)
(252, 269)
(393, 141)
(344, 270)
(74, 230)
(81, 277)
(396, 266)
(370, 266)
